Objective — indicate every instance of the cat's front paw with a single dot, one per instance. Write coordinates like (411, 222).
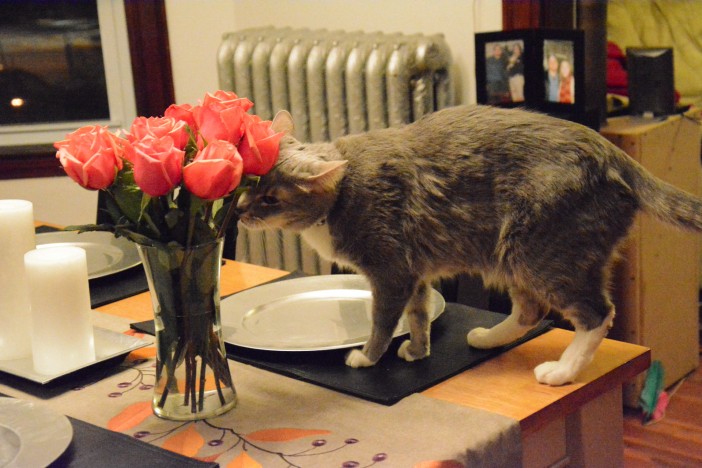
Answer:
(553, 373)
(357, 359)
(480, 338)
(405, 353)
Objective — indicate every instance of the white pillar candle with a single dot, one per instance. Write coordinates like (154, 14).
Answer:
(62, 331)
(16, 238)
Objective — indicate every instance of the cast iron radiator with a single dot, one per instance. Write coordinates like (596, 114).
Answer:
(333, 83)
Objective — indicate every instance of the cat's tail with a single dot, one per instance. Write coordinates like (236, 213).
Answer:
(663, 200)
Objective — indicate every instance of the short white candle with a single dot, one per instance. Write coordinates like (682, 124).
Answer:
(62, 331)
(16, 239)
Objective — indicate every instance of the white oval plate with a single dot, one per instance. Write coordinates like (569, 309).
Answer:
(31, 434)
(106, 254)
(313, 313)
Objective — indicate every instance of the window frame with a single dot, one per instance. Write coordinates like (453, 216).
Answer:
(148, 90)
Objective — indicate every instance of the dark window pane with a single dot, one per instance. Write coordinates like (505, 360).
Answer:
(51, 66)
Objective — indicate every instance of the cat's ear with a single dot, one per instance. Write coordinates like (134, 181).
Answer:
(329, 175)
(283, 123)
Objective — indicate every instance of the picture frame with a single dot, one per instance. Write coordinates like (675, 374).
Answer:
(502, 62)
(560, 62)
(544, 51)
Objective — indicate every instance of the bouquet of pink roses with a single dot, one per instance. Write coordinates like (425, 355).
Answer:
(173, 178)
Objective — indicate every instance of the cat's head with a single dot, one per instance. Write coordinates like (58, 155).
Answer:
(300, 189)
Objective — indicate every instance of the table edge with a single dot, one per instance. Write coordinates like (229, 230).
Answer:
(587, 392)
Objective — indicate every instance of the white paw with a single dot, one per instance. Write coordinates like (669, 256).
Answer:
(404, 353)
(357, 359)
(553, 373)
(480, 338)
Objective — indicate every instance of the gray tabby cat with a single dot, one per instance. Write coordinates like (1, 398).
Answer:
(536, 205)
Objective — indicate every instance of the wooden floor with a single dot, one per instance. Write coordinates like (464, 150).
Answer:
(675, 440)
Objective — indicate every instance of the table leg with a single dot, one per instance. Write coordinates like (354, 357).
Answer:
(591, 436)
(595, 433)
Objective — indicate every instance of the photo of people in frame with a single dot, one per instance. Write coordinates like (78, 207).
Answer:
(504, 71)
(559, 78)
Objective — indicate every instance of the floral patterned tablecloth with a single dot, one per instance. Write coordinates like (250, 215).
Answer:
(282, 422)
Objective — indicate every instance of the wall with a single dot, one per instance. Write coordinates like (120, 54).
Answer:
(56, 200)
(195, 31)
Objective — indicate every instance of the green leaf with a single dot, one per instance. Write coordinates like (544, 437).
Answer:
(116, 229)
(198, 206)
(150, 210)
(135, 236)
(227, 214)
(183, 200)
(126, 197)
(177, 223)
(173, 217)
(191, 148)
(200, 229)
(144, 204)
(90, 228)
(202, 232)
(221, 213)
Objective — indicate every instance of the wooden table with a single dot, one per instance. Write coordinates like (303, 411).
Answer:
(580, 423)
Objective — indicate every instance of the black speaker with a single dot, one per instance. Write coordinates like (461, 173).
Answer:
(651, 82)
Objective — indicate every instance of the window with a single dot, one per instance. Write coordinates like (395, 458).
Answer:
(63, 64)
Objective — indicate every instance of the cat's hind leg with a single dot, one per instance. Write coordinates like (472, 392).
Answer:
(526, 314)
(418, 346)
(581, 350)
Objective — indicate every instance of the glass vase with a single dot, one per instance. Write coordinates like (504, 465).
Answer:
(193, 380)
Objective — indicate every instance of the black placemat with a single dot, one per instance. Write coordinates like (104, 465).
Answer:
(113, 287)
(392, 378)
(94, 446)
(117, 286)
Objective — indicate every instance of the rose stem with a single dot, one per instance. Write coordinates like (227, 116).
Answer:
(170, 373)
(228, 216)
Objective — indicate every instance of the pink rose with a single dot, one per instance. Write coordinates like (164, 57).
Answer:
(182, 112)
(157, 127)
(215, 171)
(91, 156)
(226, 100)
(221, 117)
(259, 146)
(158, 164)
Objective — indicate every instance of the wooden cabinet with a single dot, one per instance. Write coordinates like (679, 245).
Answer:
(657, 283)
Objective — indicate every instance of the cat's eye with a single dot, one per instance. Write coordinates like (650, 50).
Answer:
(269, 200)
